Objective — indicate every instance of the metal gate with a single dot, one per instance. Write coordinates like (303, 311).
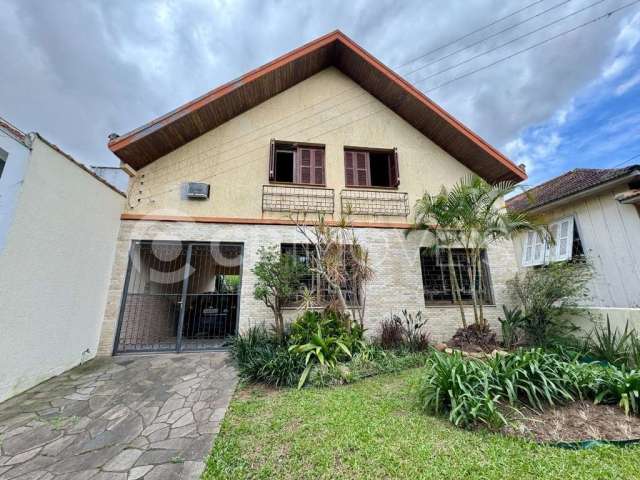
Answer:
(179, 296)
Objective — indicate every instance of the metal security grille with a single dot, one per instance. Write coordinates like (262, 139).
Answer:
(374, 202)
(282, 198)
(179, 296)
(436, 279)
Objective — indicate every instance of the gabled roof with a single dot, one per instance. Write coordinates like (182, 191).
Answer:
(163, 135)
(571, 183)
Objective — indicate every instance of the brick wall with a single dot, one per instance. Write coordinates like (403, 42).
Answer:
(397, 283)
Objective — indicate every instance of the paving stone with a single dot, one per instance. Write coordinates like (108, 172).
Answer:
(83, 475)
(165, 472)
(137, 473)
(23, 457)
(159, 435)
(186, 419)
(123, 461)
(156, 457)
(35, 437)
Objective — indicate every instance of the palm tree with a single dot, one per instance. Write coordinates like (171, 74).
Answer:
(472, 216)
(438, 215)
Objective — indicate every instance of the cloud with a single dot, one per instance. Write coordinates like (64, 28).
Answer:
(76, 71)
(627, 85)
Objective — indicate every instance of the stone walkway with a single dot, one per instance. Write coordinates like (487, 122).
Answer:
(120, 418)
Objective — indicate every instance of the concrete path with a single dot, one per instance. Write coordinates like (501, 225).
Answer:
(121, 418)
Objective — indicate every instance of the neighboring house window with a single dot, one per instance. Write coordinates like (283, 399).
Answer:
(539, 251)
(3, 159)
(296, 163)
(313, 282)
(371, 168)
(436, 279)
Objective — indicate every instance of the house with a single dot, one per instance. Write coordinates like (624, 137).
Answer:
(58, 228)
(325, 129)
(595, 213)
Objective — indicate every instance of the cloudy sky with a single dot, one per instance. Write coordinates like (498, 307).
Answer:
(77, 70)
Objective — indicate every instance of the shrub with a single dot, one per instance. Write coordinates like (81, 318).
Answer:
(511, 324)
(534, 377)
(262, 357)
(474, 337)
(406, 332)
(390, 337)
(460, 388)
(470, 390)
(278, 278)
(331, 324)
(322, 349)
(619, 386)
(610, 344)
(547, 295)
(634, 351)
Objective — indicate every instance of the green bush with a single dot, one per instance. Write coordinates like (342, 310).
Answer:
(511, 325)
(615, 386)
(547, 295)
(611, 345)
(262, 358)
(461, 389)
(534, 377)
(469, 391)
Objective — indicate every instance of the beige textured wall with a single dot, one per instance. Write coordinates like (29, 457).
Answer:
(328, 108)
(395, 259)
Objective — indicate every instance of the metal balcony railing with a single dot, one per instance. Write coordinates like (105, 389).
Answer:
(374, 202)
(284, 198)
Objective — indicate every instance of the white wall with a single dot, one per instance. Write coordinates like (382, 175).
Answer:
(54, 270)
(610, 236)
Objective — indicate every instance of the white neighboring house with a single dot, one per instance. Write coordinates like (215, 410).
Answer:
(58, 227)
(595, 212)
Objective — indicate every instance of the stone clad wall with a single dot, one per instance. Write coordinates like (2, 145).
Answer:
(397, 283)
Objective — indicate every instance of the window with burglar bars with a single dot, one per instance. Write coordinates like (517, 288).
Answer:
(306, 254)
(436, 278)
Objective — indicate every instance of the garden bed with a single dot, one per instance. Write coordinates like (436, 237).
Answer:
(575, 422)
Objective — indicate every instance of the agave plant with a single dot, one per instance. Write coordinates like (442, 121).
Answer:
(610, 344)
(325, 350)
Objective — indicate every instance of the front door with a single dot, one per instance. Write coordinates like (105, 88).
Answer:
(179, 296)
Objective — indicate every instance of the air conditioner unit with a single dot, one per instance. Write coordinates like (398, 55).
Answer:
(197, 191)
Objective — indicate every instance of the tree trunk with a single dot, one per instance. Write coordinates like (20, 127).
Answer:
(455, 287)
(481, 289)
(472, 283)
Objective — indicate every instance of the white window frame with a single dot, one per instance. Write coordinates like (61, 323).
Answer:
(539, 251)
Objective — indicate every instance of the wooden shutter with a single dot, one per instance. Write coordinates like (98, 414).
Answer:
(349, 169)
(552, 250)
(305, 174)
(362, 169)
(318, 166)
(527, 249)
(538, 250)
(394, 173)
(564, 241)
(272, 160)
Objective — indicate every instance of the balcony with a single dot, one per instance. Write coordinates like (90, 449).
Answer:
(285, 198)
(374, 202)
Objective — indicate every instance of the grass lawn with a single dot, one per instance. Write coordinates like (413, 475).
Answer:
(373, 430)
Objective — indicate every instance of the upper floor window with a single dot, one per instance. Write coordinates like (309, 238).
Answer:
(3, 159)
(296, 163)
(537, 250)
(371, 168)
(436, 276)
